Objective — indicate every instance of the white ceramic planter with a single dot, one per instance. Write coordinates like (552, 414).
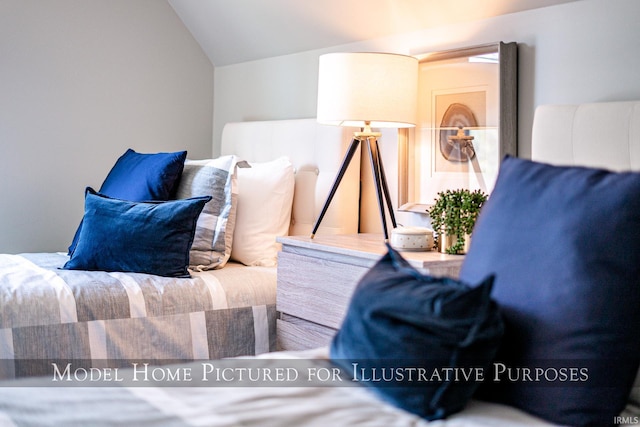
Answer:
(412, 239)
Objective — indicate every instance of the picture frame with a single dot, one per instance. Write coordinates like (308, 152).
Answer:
(467, 122)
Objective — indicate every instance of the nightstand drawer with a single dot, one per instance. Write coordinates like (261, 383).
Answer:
(314, 289)
(302, 335)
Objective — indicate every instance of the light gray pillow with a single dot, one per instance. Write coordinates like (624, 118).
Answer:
(214, 231)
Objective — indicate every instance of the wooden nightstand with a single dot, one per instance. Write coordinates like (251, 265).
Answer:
(316, 278)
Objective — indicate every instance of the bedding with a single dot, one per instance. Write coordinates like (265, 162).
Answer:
(107, 319)
(133, 286)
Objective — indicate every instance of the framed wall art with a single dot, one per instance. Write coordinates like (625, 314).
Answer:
(467, 122)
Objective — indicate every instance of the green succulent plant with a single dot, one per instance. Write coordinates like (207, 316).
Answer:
(454, 213)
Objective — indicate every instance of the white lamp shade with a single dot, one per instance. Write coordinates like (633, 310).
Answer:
(380, 88)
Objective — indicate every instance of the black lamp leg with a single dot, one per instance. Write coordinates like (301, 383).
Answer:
(374, 157)
(385, 187)
(345, 164)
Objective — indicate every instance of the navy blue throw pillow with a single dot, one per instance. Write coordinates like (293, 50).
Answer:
(141, 177)
(564, 245)
(142, 237)
(423, 343)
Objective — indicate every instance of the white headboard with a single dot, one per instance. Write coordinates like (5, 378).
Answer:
(605, 135)
(316, 152)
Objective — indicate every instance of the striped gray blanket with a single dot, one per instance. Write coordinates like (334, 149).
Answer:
(110, 319)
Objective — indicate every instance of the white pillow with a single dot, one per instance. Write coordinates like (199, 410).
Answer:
(265, 199)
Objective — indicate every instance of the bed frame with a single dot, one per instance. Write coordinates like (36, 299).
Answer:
(605, 135)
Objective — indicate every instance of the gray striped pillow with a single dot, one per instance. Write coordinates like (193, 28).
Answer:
(214, 231)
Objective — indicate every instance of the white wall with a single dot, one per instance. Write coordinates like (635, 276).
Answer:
(80, 82)
(577, 52)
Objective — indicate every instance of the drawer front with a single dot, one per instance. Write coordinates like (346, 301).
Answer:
(315, 289)
(445, 270)
(301, 336)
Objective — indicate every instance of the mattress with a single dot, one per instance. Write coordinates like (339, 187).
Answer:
(98, 318)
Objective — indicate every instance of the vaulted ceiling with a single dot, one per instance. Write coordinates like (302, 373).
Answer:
(233, 31)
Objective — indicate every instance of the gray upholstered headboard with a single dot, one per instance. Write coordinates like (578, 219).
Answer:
(605, 135)
(316, 152)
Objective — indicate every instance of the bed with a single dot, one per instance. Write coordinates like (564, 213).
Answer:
(562, 135)
(110, 318)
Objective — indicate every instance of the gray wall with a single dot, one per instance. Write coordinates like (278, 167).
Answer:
(80, 82)
(571, 53)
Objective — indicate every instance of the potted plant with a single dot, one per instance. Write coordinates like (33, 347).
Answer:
(453, 216)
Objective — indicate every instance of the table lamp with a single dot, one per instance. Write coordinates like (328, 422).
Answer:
(367, 90)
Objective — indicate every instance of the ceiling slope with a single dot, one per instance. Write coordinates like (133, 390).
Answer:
(234, 31)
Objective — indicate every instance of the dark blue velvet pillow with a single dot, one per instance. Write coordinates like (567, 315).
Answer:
(141, 237)
(400, 320)
(564, 245)
(141, 177)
